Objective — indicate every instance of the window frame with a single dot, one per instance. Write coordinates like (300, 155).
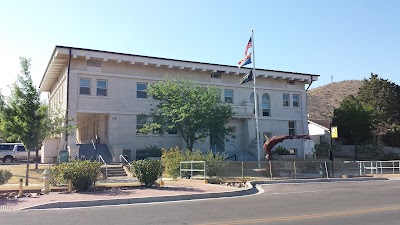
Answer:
(227, 96)
(292, 129)
(88, 87)
(269, 104)
(296, 101)
(106, 87)
(138, 92)
(285, 101)
(140, 125)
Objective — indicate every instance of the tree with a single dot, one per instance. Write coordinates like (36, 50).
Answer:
(195, 111)
(354, 122)
(383, 97)
(24, 117)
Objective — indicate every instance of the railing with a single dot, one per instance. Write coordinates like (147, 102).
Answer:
(126, 161)
(377, 167)
(191, 170)
(102, 160)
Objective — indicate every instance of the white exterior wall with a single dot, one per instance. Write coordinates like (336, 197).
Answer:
(316, 132)
(116, 113)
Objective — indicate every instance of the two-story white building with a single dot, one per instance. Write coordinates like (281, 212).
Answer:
(103, 95)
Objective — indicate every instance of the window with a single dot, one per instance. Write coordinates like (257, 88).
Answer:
(265, 105)
(101, 88)
(266, 136)
(286, 101)
(140, 90)
(232, 130)
(295, 99)
(172, 131)
(291, 82)
(253, 101)
(228, 94)
(84, 86)
(216, 75)
(141, 120)
(292, 127)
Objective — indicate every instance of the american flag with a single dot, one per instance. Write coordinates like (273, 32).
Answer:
(249, 45)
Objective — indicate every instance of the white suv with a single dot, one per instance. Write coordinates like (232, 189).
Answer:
(10, 152)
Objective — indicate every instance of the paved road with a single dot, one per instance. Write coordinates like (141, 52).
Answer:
(372, 202)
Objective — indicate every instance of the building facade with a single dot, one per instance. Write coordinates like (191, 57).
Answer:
(103, 95)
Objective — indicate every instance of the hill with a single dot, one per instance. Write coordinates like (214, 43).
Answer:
(321, 101)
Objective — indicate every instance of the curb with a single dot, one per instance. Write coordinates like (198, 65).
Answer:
(63, 205)
(252, 189)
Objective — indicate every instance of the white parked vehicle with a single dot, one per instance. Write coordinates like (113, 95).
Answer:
(10, 152)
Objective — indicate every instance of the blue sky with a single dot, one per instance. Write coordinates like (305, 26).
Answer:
(346, 39)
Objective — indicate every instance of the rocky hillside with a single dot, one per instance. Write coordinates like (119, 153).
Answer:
(321, 101)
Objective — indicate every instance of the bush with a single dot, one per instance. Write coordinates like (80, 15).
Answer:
(322, 149)
(171, 161)
(83, 174)
(281, 151)
(5, 175)
(147, 171)
(153, 151)
(214, 164)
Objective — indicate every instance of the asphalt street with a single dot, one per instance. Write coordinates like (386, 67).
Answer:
(362, 202)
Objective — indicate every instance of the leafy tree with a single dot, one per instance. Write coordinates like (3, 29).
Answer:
(195, 111)
(354, 122)
(24, 117)
(383, 97)
(392, 138)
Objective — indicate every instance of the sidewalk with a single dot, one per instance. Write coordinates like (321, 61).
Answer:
(171, 191)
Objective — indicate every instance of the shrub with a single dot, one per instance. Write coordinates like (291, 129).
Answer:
(171, 161)
(5, 175)
(322, 149)
(214, 163)
(83, 174)
(153, 151)
(281, 151)
(147, 171)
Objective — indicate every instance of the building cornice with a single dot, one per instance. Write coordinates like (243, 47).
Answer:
(59, 61)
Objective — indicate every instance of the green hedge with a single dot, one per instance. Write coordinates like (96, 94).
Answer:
(147, 171)
(83, 174)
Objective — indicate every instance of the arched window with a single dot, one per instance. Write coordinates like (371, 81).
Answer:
(266, 111)
(252, 101)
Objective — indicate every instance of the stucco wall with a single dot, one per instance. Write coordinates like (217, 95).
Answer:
(118, 110)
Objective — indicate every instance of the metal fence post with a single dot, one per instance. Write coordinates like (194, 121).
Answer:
(326, 170)
(242, 172)
(270, 169)
(295, 174)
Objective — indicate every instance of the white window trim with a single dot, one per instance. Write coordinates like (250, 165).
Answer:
(137, 90)
(283, 100)
(298, 100)
(97, 87)
(90, 86)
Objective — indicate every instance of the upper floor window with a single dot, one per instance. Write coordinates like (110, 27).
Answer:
(265, 105)
(295, 100)
(286, 100)
(84, 86)
(141, 120)
(228, 95)
(101, 88)
(292, 127)
(140, 90)
(253, 101)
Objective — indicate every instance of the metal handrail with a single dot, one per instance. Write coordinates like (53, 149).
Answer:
(130, 164)
(94, 146)
(191, 170)
(102, 160)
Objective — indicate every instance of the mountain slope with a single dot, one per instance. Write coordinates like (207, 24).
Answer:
(321, 101)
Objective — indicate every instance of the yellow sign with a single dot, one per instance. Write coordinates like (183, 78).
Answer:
(334, 132)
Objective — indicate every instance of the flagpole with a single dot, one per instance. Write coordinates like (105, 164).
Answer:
(256, 101)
